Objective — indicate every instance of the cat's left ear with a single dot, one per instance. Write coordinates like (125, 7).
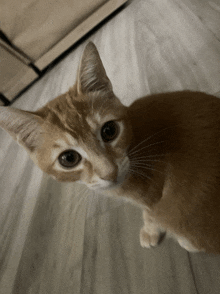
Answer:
(23, 126)
(91, 73)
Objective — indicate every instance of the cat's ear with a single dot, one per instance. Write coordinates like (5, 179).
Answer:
(91, 73)
(23, 126)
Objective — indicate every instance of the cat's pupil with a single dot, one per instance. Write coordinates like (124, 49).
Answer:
(109, 131)
(69, 158)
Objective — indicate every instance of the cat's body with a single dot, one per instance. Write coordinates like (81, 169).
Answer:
(161, 152)
(184, 133)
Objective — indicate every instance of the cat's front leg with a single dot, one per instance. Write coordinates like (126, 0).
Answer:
(186, 244)
(150, 234)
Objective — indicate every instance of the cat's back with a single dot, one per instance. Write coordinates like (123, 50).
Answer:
(177, 107)
(192, 119)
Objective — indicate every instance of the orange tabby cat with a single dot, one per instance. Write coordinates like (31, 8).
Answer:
(163, 152)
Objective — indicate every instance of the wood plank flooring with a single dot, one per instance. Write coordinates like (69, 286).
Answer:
(61, 238)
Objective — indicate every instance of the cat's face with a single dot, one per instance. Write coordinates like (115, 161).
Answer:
(82, 135)
(85, 139)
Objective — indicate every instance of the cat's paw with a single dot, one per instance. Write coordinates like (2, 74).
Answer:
(150, 240)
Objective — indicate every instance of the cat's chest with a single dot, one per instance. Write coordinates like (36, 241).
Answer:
(143, 191)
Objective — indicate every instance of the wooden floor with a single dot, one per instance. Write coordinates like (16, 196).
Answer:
(60, 238)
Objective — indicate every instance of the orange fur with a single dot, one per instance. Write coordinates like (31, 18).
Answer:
(165, 157)
(188, 199)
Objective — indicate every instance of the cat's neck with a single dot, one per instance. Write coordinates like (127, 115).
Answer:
(133, 186)
(155, 139)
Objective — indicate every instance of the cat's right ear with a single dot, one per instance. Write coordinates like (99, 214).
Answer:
(23, 126)
(91, 73)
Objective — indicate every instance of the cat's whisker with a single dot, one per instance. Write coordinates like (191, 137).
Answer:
(150, 152)
(140, 160)
(140, 166)
(140, 163)
(148, 138)
(147, 167)
(150, 156)
(153, 144)
(133, 171)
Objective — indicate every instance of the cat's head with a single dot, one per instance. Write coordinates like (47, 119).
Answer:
(81, 135)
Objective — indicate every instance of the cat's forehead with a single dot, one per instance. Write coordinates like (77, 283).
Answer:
(80, 118)
(91, 109)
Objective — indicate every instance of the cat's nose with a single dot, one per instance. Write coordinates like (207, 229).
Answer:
(111, 176)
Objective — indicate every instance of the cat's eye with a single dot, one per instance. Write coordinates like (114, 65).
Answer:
(109, 131)
(69, 158)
